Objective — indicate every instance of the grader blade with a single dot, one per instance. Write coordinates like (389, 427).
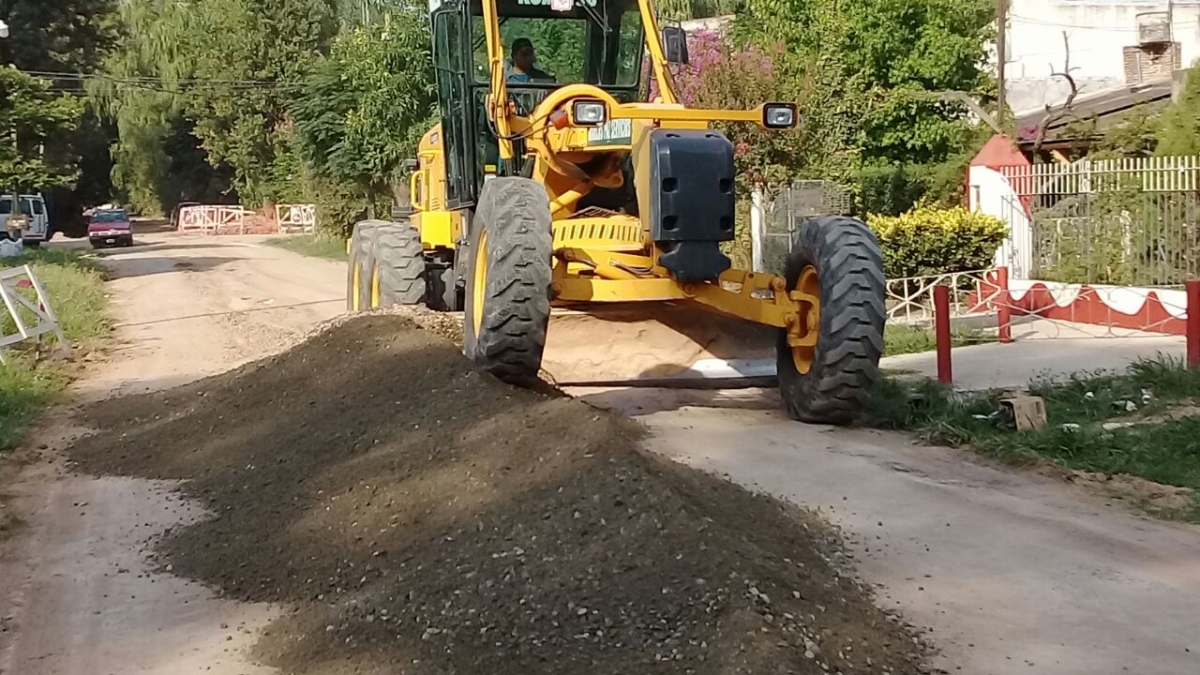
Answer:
(657, 344)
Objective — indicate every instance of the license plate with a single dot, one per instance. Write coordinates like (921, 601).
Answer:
(616, 132)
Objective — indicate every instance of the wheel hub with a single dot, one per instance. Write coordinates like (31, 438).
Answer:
(479, 287)
(802, 333)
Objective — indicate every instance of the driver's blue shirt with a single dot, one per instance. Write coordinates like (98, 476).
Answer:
(534, 74)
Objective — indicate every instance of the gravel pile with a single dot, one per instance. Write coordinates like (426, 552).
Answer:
(417, 516)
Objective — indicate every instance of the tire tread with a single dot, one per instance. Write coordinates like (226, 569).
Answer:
(837, 389)
(516, 313)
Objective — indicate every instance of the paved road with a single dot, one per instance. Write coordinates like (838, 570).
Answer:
(1015, 573)
(1042, 348)
(78, 598)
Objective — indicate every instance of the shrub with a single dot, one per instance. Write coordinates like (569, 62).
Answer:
(928, 240)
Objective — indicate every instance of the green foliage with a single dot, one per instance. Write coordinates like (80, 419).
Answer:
(69, 36)
(873, 69)
(1133, 133)
(268, 101)
(1179, 129)
(929, 240)
(682, 10)
(364, 109)
(31, 115)
(221, 71)
(361, 114)
(722, 76)
(24, 391)
(902, 339)
(149, 118)
(271, 44)
(315, 245)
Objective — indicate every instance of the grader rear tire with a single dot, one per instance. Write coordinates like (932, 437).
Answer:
(400, 261)
(838, 258)
(360, 265)
(508, 286)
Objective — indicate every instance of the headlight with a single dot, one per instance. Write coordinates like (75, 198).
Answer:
(589, 113)
(779, 115)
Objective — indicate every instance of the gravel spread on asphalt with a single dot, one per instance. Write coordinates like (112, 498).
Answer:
(414, 515)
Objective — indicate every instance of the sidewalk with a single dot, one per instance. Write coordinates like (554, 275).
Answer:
(996, 366)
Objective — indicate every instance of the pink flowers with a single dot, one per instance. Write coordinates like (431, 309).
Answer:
(721, 76)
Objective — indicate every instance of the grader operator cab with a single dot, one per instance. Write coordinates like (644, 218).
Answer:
(564, 213)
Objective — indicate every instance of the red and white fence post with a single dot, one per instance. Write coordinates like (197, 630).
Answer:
(941, 329)
(1193, 323)
(1003, 307)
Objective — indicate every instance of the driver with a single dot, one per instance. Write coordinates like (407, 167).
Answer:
(522, 61)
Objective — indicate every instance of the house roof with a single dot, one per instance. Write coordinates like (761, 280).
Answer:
(1105, 107)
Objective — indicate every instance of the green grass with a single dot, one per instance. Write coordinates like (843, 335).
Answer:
(1166, 452)
(901, 339)
(74, 284)
(316, 245)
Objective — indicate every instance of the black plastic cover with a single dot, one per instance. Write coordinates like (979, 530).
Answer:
(692, 201)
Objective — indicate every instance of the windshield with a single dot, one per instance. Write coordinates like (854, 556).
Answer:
(109, 217)
(595, 42)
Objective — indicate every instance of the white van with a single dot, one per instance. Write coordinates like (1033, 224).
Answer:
(33, 206)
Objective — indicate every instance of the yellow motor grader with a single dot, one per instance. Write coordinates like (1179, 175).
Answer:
(557, 189)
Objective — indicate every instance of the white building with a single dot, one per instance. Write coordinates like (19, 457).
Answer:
(1113, 43)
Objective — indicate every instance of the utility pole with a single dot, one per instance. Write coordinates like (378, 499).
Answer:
(1171, 34)
(1001, 57)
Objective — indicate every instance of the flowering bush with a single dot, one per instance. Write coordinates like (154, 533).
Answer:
(720, 75)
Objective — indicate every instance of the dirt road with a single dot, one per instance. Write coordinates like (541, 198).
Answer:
(1013, 572)
(78, 596)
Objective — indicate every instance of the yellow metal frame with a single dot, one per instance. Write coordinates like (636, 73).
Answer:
(761, 298)
(610, 258)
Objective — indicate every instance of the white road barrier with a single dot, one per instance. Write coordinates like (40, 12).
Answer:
(30, 319)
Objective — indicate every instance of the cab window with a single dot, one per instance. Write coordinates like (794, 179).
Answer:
(595, 42)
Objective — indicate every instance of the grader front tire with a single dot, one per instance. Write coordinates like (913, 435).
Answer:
(400, 261)
(508, 287)
(831, 383)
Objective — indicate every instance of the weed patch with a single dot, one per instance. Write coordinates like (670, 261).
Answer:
(1107, 424)
(315, 245)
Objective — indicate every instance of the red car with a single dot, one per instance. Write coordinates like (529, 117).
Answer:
(110, 227)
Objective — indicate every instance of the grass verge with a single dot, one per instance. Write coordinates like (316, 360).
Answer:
(1154, 439)
(315, 245)
(901, 339)
(74, 283)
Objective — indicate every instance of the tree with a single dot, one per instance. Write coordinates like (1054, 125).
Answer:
(1179, 128)
(363, 110)
(70, 37)
(221, 73)
(253, 56)
(31, 115)
(870, 74)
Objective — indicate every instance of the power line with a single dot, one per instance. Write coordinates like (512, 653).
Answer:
(145, 81)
